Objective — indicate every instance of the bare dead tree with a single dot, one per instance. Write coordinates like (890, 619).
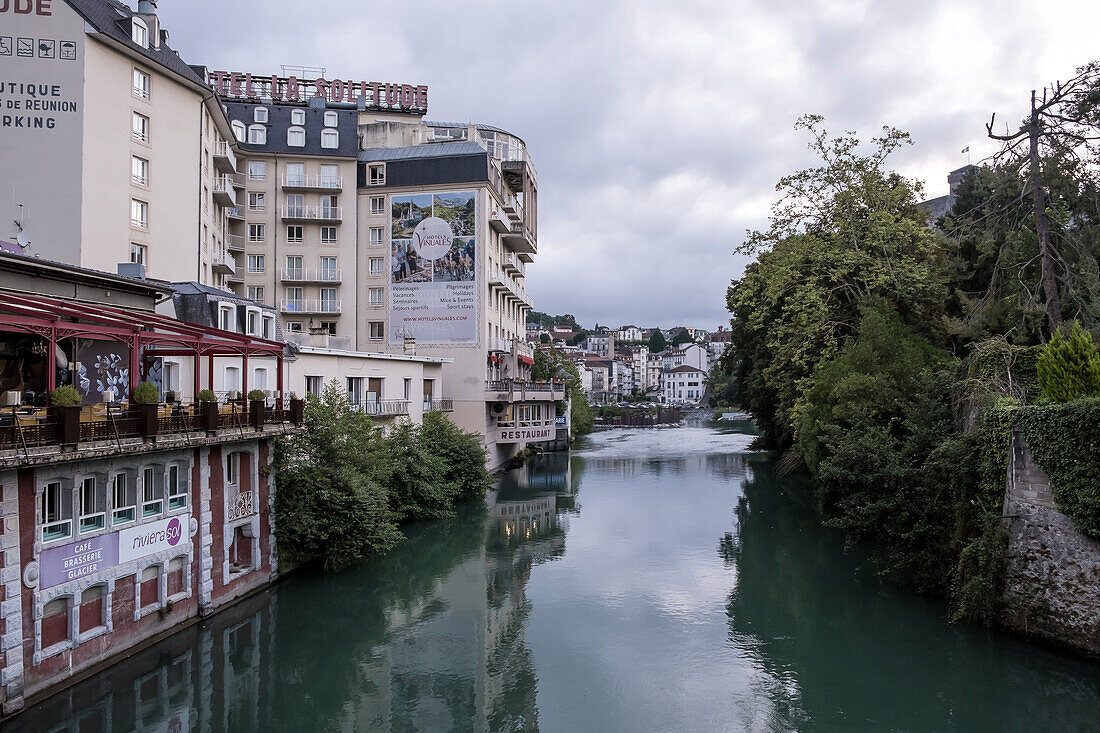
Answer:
(1059, 123)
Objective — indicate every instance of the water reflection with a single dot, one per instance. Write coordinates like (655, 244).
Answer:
(691, 590)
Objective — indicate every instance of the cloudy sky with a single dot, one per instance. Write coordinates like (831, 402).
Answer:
(659, 129)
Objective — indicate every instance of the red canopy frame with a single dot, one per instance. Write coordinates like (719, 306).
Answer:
(147, 334)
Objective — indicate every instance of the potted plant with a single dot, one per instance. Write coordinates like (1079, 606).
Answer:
(170, 396)
(208, 410)
(297, 409)
(146, 396)
(66, 401)
(256, 399)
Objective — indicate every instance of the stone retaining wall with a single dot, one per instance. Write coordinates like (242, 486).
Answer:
(1052, 571)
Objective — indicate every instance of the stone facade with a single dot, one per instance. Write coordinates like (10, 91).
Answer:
(1052, 571)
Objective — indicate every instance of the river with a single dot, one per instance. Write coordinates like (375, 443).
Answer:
(652, 580)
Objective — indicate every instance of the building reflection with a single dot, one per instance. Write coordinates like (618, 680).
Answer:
(430, 637)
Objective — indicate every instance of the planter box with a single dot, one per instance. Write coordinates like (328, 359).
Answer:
(68, 425)
(147, 420)
(256, 414)
(208, 416)
(297, 411)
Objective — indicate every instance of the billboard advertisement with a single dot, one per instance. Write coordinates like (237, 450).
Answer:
(433, 268)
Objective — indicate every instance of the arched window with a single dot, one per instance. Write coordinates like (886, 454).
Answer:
(330, 139)
(297, 117)
(330, 119)
(139, 32)
(239, 130)
(296, 137)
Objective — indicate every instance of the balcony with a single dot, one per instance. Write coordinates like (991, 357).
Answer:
(510, 264)
(225, 159)
(382, 408)
(523, 350)
(499, 220)
(234, 242)
(333, 214)
(240, 506)
(501, 345)
(309, 275)
(500, 280)
(311, 183)
(234, 214)
(223, 264)
(309, 307)
(520, 239)
(510, 390)
(443, 405)
(224, 194)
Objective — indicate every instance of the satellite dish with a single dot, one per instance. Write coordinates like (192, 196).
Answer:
(23, 240)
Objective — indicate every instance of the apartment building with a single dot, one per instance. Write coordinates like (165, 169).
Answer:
(107, 137)
(296, 214)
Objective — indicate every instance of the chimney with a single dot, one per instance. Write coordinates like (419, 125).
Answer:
(147, 7)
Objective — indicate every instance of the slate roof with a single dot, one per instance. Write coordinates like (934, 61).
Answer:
(278, 120)
(112, 18)
(427, 150)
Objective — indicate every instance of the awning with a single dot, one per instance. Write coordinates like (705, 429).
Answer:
(526, 359)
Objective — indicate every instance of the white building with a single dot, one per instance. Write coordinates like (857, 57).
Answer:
(694, 355)
(682, 385)
(628, 333)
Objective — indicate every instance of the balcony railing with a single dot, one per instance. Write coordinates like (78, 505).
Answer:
(442, 405)
(513, 390)
(225, 159)
(235, 213)
(382, 408)
(311, 213)
(234, 242)
(224, 193)
(291, 305)
(312, 182)
(240, 506)
(307, 274)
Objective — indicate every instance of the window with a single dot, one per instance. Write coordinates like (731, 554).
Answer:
(57, 511)
(294, 233)
(330, 176)
(377, 330)
(257, 135)
(268, 326)
(329, 304)
(239, 131)
(140, 127)
(141, 84)
(328, 327)
(255, 232)
(330, 208)
(294, 299)
(233, 469)
(227, 316)
(232, 378)
(330, 139)
(376, 296)
(139, 171)
(257, 170)
(295, 174)
(259, 114)
(297, 117)
(328, 235)
(330, 119)
(259, 378)
(256, 200)
(329, 273)
(149, 589)
(376, 265)
(293, 326)
(256, 292)
(174, 581)
(294, 267)
(55, 622)
(295, 204)
(91, 608)
(255, 263)
(152, 491)
(376, 174)
(376, 236)
(124, 499)
(314, 385)
(296, 137)
(93, 504)
(139, 32)
(139, 214)
(378, 204)
(408, 388)
(139, 254)
(252, 322)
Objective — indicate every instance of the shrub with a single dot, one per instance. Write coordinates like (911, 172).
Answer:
(1069, 368)
(146, 393)
(170, 396)
(207, 395)
(65, 396)
(461, 452)
(256, 395)
(414, 476)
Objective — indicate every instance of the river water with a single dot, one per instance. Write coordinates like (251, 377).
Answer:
(653, 580)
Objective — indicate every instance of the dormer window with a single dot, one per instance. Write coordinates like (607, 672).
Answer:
(297, 117)
(330, 119)
(296, 137)
(239, 130)
(139, 32)
(330, 139)
(259, 114)
(257, 135)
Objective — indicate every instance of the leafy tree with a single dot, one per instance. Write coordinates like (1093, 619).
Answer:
(843, 234)
(413, 475)
(657, 342)
(682, 337)
(462, 454)
(1069, 368)
(329, 505)
(544, 338)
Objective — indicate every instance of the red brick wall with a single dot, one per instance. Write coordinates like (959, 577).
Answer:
(27, 530)
(91, 614)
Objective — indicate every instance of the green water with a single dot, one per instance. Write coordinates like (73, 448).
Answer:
(654, 580)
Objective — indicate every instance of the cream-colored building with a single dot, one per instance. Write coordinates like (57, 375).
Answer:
(106, 142)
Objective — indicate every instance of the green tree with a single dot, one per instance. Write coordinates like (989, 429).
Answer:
(462, 454)
(657, 342)
(843, 234)
(1069, 368)
(414, 476)
(544, 338)
(682, 337)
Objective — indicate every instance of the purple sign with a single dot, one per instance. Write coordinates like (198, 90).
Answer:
(75, 560)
